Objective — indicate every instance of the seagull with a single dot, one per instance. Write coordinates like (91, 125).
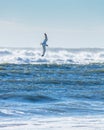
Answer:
(44, 44)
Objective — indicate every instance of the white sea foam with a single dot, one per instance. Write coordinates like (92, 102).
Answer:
(55, 123)
(53, 56)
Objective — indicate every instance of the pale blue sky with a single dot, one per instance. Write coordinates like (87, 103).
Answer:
(68, 23)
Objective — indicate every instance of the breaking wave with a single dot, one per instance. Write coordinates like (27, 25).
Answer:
(53, 56)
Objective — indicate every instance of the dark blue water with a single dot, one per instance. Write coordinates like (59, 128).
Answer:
(29, 90)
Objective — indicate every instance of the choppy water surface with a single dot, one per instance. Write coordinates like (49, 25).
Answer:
(32, 87)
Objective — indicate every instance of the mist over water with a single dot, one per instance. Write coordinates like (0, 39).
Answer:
(53, 56)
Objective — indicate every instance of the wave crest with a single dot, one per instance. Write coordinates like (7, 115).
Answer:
(53, 56)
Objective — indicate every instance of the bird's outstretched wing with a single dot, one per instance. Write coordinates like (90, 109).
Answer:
(44, 50)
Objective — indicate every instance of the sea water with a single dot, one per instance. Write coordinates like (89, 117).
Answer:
(65, 83)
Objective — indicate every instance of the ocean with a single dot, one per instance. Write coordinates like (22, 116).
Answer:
(62, 90)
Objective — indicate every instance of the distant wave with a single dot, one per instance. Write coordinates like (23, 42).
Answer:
(53, 56)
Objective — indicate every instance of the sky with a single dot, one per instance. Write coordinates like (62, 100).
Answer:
(68, 23)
